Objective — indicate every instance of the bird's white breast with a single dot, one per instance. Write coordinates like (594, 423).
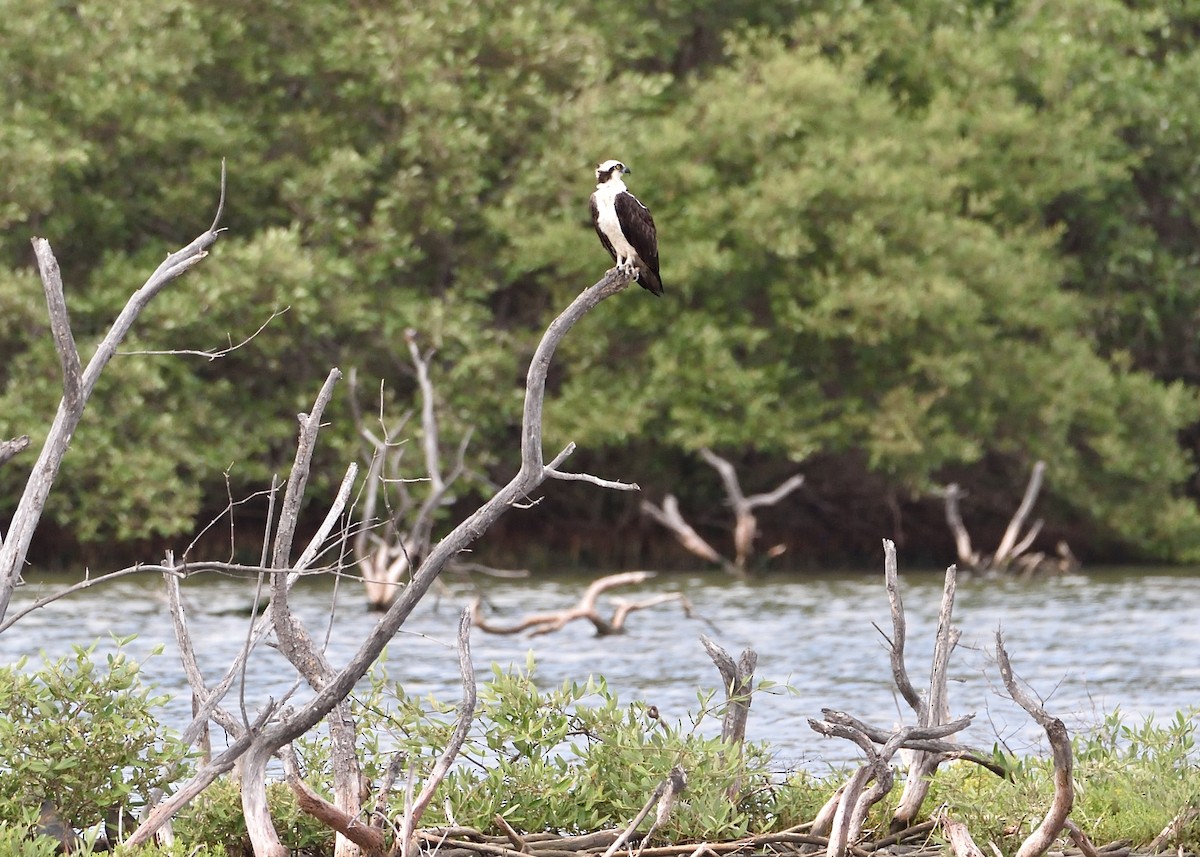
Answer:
(606, 218)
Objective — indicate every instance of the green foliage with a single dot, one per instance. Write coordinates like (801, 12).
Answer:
(1130, 781)
(930, 236)
(81, 734)
(573, 759)
(215, 820)
(15, 841)
(1135, 779)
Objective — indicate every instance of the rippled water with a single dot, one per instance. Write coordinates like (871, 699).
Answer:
(1087, 644)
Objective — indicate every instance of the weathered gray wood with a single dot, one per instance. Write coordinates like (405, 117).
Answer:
(532, 473)
(1056, 817)
(78, 387)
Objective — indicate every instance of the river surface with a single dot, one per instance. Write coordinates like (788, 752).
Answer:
(1086, 644)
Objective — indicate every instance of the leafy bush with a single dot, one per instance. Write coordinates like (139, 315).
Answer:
(215, 819)
(16, 841)
(82, 735)
(1130, 782)
(576, 759)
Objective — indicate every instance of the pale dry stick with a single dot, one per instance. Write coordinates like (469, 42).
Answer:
(9, 448)
(745, 526)
(1004, 553)
(545, 623)
(1176, 826)
(958, 837)
(296, 642)
(663, 797)
(669, 516)
(622, 609)
(738, 679)
(395, 553)
(967, 556)
(209, 355)
(1060, 749)
(78, 385)
(466, 715)
(822, 822)
(533, 472)
(933, 710)
(856, 801)
(946, 749)
(211, 697)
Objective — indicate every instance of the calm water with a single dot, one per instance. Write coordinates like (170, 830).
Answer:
(1086, 644)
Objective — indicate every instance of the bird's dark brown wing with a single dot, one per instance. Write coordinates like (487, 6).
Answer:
(596, 224)
(639, 230)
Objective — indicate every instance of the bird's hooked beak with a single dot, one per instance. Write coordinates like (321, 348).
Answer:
(627, 171)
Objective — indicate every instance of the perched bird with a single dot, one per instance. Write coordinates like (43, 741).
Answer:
(625, 226)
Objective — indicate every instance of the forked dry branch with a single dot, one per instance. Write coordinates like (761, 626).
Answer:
(745, 522)
(1011, 554)
(845, 813)
(278, 728)
(536, 624)
(79, 382)
(393, 541)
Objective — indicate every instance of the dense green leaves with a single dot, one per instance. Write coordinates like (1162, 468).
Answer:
(82, 735)
(918, 235)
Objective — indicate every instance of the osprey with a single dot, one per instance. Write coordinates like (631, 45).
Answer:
(625, 226)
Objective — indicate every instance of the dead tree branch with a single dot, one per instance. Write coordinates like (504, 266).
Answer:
(664, 798)
(78, 384)
(1043, 837)
(738, 680)
(745, 523)
(466, 714)
(934, 709)
(282, 730)
(9, 448)
(547, 623)
(1012, 552)
(668, 515)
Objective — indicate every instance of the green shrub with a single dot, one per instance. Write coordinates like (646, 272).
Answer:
(82, 735)
(575, 759)
(16, 841)
(215, 819)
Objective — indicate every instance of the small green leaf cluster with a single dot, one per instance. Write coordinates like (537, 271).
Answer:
(82, 734)
(16, 840)
(215, 819)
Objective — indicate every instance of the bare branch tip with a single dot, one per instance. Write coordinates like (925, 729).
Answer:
(220, 203)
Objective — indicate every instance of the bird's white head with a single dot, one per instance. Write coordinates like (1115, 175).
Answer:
(610, 170)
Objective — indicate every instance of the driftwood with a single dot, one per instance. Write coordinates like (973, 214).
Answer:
(276, 728)
(662, 801)
(745, 523)
(537, 624)
(1057, 817)
(850, 806)
(78, 384)
(1011, 554)
(738, 680)
(934, 709)
(793, 842)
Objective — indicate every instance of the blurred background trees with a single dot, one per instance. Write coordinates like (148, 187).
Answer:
(903, 243)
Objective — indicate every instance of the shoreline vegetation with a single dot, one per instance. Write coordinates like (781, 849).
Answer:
(564, 771)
